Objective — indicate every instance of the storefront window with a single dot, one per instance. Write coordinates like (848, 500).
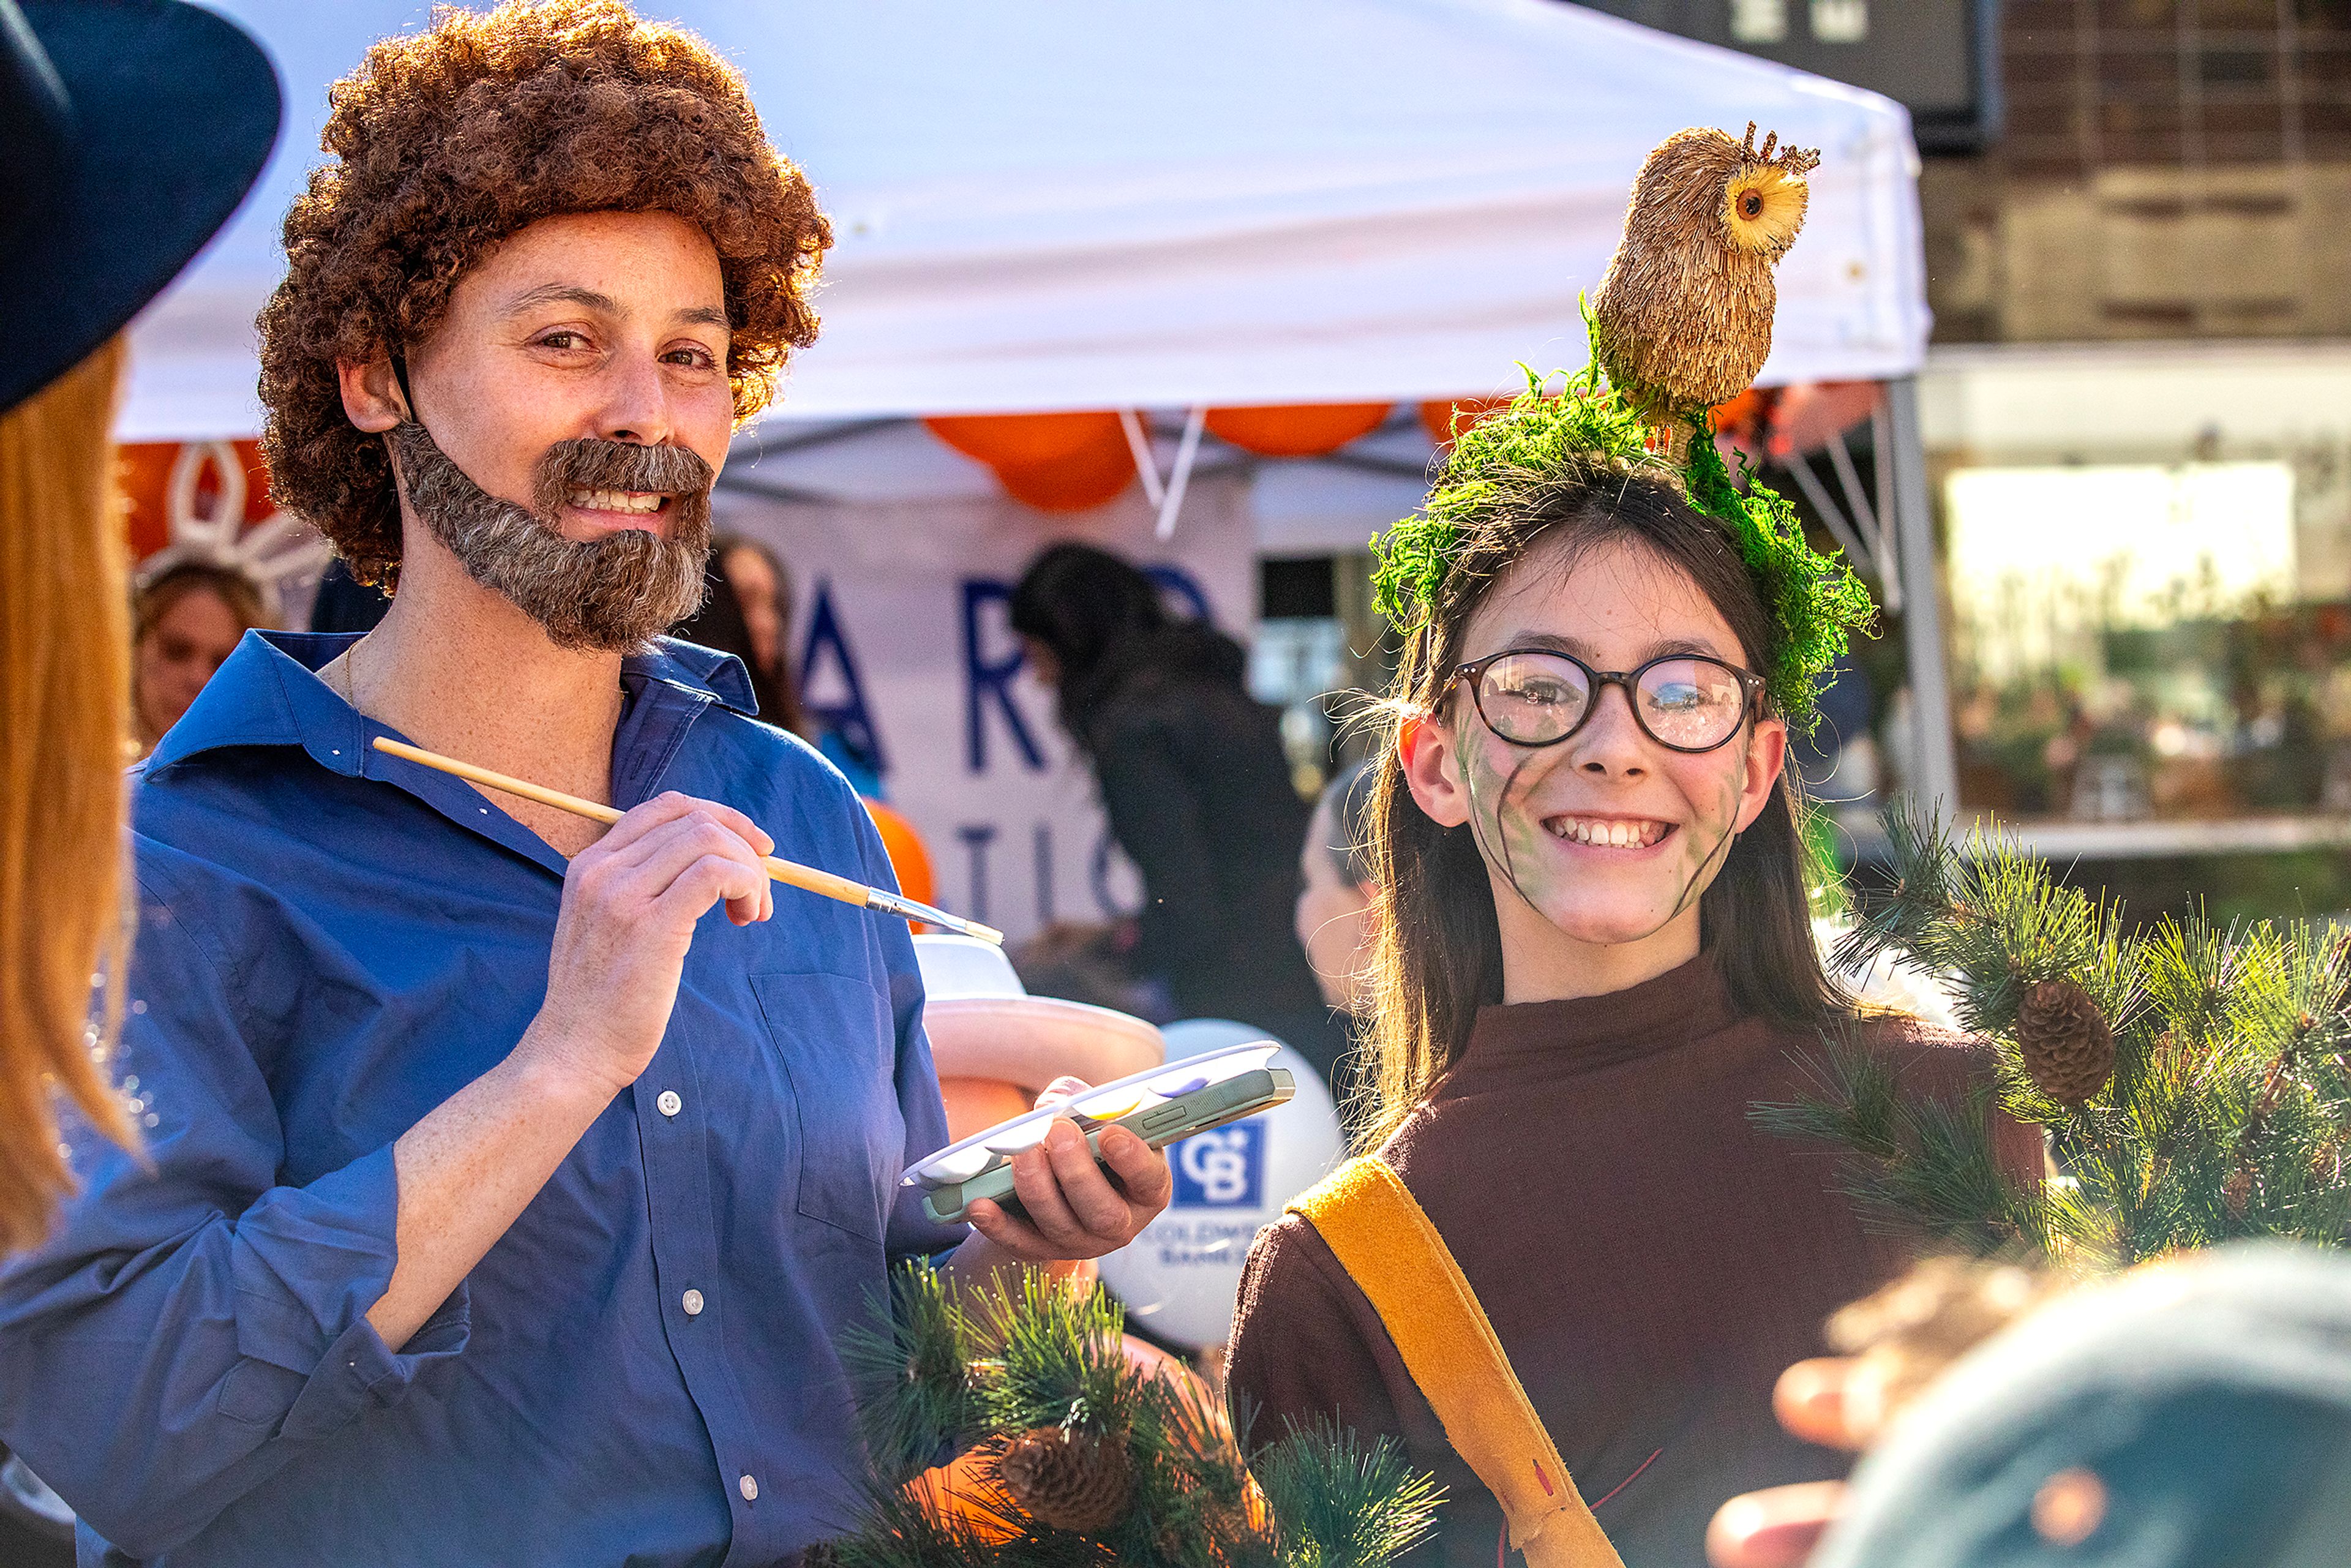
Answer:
(2144, 641)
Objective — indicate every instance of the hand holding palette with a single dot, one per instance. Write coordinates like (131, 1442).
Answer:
(1160, 1106)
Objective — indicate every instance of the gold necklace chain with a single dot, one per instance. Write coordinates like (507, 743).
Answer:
(350, 662)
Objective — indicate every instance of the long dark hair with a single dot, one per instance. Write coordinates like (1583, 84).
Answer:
(720, 624)
(1438, 952)
(1106, 624)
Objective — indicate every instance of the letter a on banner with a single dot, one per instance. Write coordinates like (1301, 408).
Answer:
(835, 694)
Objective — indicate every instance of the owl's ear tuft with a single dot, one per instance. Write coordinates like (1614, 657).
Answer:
(1763, 208)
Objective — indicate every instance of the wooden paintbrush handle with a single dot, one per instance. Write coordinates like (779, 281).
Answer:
(790, 872)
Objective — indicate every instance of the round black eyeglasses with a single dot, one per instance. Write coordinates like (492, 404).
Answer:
(1684, 701)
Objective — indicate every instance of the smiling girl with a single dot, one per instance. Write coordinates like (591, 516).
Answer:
(1594, 957)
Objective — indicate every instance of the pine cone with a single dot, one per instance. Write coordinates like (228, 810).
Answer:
(1075, 1481)
(2237, 1192)
(2069, 1049)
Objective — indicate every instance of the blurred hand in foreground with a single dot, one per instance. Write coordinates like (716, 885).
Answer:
(1898, 1342)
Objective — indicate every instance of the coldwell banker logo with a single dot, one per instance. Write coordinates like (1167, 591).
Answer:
(1222, 1169)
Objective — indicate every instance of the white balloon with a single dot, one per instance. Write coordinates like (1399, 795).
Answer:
(1178, 1278)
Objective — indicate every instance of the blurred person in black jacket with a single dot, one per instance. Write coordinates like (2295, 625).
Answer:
(1196, 786)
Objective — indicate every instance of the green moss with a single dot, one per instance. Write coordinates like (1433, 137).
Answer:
(1540, 436)
(1815, 600)
(1588, 430)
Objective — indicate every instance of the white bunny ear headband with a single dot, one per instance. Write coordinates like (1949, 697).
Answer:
(277, 553)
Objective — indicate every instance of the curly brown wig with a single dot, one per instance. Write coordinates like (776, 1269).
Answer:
(444, 143)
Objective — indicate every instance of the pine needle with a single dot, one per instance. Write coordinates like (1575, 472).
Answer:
(910, 1369)
(2228, 1111)
(1341, 1502)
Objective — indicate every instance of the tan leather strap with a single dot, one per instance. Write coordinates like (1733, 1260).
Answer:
(1385, 1242)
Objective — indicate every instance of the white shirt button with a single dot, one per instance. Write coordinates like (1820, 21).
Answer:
(750, 1489)
(669, 1103)
(692, 1303)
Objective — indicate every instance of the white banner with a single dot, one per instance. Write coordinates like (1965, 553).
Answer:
(900, 632)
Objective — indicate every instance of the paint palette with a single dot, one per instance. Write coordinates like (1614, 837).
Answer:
(1091, 1110)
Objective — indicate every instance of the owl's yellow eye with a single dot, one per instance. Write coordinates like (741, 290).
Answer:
(1762, 208)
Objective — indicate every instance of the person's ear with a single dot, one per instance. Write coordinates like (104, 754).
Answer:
(1767, 757)
(1432, 769)
(371, 396)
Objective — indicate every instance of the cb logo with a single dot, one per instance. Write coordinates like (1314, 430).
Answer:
(1222, 1169)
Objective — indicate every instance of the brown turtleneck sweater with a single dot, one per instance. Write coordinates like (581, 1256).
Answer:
(1650, 1261)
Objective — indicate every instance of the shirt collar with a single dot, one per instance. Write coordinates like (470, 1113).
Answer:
(268, 693)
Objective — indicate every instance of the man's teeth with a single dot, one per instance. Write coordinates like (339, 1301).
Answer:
(1608, 833)
(617, 500)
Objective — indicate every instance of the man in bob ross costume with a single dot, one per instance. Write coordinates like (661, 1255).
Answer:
(506, 1198)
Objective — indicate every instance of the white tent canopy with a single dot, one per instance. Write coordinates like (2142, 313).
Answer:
(1062, 204)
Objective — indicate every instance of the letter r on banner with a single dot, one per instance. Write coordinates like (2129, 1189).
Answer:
(987, 679)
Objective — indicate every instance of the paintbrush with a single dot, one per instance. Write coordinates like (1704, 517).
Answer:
(790, 872)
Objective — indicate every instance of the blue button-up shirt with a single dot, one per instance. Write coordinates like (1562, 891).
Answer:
(331, 942)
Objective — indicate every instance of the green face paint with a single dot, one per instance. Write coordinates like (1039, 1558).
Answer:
(1502, 782)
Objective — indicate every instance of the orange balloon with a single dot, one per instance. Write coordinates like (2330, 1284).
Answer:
(908, 856)
(1295, 429)
(1446, 417)
(1094, 476)
(1026, 440)
(1739, 412)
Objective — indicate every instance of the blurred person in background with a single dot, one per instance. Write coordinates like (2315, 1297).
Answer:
(1334, 915)
(186, 619)
(747, 611)
(1335, 891)
(1196, 786)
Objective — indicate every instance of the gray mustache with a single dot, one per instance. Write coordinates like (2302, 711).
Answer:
(590, 464)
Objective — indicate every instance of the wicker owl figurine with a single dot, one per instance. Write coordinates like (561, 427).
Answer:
(1683, 317)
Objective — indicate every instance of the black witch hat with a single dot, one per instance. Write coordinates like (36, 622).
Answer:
(129, 129)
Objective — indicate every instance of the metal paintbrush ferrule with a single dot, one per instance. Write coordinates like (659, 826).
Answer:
(906, 908)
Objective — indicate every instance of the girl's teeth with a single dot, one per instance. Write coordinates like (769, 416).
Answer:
(1612, 835)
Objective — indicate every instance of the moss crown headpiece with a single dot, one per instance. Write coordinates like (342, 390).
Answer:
(1682, 321)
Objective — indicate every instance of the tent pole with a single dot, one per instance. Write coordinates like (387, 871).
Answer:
(1881, 473)
(1146, 463)
(1934, 781)
(1180, 476)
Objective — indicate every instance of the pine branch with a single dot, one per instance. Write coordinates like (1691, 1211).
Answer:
(2225, 1109)
(1914, 1163)
(900, 1530)
(2188, 972)
(2016, 925)
(1058, 1359)
(910, 1368)
(1339, 1502)
(1043, 1355)
(1926, 870)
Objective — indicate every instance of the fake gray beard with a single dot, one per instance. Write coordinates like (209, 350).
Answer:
(606, 595)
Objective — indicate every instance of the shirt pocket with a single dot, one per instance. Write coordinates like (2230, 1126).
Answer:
(833, 1035)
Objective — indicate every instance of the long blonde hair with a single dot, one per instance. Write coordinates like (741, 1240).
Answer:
(65, 687)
